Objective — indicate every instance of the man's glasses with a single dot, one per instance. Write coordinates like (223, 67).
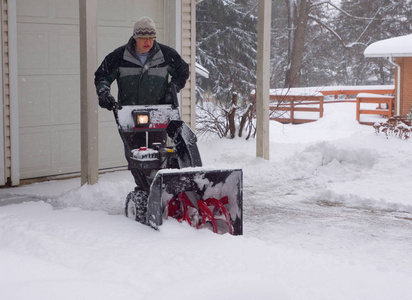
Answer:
(150, 39)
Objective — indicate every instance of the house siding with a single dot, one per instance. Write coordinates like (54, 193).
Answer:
(5, 89)
(189, 55)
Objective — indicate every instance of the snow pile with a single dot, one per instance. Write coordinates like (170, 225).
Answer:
(329, 216)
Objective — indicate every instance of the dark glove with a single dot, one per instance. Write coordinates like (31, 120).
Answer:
(171, 96)
(106, 100)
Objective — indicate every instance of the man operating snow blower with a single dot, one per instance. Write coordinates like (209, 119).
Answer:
(169, 180)
(142, 68)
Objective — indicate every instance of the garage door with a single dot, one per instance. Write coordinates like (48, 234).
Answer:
(48, 79)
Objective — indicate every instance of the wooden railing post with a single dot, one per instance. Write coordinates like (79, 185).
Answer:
(321, 107)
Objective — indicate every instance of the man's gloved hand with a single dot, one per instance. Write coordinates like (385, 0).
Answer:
(171, 96)
(106, 100)
(168, 98)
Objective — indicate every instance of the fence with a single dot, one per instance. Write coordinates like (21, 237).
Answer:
(284, 108)
(363, 98)
(302, 105)
(350, 92)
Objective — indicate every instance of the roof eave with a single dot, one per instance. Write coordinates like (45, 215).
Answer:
(388, 54)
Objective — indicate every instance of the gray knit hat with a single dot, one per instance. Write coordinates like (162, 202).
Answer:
(144, 27)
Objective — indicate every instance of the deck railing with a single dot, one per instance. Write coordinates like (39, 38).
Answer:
(309, 102)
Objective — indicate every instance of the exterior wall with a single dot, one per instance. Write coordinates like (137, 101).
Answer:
(5, 163)
(47, 121)
(9, 166)
(49, 81)
(406, 84)
(188, 96)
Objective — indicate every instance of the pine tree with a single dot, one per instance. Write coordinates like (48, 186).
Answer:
(226, 47)
(384, 19)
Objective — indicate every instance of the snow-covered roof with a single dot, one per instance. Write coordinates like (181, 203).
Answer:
(202, 71)
(400, 46)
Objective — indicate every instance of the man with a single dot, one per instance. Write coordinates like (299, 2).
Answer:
(141, 68)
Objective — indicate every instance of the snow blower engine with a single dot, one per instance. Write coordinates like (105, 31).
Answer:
(171, 182)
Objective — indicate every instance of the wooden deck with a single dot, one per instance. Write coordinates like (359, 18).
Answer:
(286, 102)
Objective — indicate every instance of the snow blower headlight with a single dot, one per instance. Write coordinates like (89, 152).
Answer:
(141, 119)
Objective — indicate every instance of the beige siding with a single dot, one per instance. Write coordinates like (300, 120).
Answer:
(188, 54)
(5, 101)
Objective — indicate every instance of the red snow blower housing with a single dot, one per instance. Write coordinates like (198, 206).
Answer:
(171, 182)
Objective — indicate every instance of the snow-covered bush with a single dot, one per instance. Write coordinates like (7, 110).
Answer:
(397, 126)
(214, 118)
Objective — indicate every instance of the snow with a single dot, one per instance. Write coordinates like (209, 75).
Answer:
(329, 216)
(369, 95)
(317, 91)
(296, 92)
(400, 46)
(159, 115)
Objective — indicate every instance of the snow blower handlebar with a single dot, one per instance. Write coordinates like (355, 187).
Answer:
(116, 108)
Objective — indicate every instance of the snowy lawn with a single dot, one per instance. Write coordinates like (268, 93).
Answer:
(328, 217)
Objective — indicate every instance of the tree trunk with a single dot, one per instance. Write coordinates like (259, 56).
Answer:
(298, 13)
(231, 116)
(245, 117)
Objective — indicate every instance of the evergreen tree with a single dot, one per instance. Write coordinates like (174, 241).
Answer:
(331, 48)
(385, 19)
(226, 47)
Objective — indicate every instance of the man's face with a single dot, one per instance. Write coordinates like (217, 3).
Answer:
(143, 45)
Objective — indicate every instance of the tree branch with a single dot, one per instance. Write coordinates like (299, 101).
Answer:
(339, 9)
(336, 34)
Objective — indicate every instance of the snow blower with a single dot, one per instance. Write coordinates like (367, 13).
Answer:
(171, 181)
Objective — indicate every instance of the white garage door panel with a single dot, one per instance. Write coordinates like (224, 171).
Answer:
(67, 50)
(35, 152)
(46, 11)
(67, 145)
(112, 10)
(110, 38)
(66, 10)
(65, 100)
(126, 12)
(49, 100)
(155, 11)
(111, 151)
(33, 50)
(48, 49)
(33, 8)
(49, 150)
(36, 106)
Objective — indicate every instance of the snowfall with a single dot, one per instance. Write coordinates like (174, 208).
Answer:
(328, 216)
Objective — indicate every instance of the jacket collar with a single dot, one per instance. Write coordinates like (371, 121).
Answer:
(155, 54)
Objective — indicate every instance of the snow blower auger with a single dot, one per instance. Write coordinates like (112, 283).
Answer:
(171, 182)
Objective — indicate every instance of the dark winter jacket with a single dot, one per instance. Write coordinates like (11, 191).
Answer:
(142, 84)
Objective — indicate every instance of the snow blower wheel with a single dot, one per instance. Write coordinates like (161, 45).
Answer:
(136, 206)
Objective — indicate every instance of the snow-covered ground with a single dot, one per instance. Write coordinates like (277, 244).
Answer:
(328, 217)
